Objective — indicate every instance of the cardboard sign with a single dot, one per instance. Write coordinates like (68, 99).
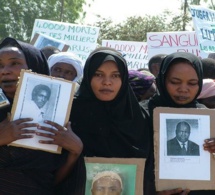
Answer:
(81, 39)
(203, 20)
(193, 168)
(129, 171)
(169, 42)
(53, 105)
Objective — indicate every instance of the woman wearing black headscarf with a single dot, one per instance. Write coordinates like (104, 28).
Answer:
(25, 171)
(179, 83)
(35, 61)
(164, 98)
(105, 113)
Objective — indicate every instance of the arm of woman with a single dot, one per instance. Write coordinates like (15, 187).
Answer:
(177, 191)
(68, 140)
(14, 130)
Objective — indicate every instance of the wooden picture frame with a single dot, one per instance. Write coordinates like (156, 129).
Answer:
(192, 170)
(54, 104)
(130, 170)
(41, 40)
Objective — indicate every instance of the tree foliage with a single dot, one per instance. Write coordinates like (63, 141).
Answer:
(17, 16)
(135, 28)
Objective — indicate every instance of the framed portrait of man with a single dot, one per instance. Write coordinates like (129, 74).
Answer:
(118, 176)
(180, 159)
(41, 98)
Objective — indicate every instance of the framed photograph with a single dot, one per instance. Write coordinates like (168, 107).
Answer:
(120, 175)
(42, 98)
(180, 160)
(3, 99)
(41, 40)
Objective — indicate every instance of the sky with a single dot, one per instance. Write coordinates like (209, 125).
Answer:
(119, 10)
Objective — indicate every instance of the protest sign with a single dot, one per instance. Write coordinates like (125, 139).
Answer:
(204, 24)
(81, 39)
(198, 165)
(169, 42)
(135, 52)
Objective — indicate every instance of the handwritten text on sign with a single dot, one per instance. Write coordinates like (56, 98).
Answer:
(81, 39)
(135, 52)
(203, 19)
(169, 42)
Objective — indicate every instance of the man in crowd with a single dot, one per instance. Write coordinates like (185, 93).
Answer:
(36, 107)
(180, 145)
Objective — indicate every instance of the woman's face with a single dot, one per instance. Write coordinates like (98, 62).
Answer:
(182, 83)
(106, 82)
(64, 70)
(12, 60)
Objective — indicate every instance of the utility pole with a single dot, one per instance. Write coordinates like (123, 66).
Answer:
(61, 10)
(185, 15)
(212, 4)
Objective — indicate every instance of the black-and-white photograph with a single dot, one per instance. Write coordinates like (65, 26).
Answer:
(41, 41)
(181, 136)
(42, 98)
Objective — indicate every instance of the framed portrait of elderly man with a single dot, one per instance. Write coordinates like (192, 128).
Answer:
(118, 176)
(180, 159)
(41, 98)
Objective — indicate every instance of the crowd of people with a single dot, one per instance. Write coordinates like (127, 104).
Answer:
(111, 116)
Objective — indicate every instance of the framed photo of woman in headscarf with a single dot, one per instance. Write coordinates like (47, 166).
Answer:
(42, 98)
(118, 175)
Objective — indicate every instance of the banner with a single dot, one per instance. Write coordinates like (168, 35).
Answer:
(81, 39)
(136, 53)
(169, 42)
(204, 24)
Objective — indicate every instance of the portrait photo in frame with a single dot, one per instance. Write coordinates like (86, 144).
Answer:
(192, 167)
(41, 40)
(127, 172)
(42, 97)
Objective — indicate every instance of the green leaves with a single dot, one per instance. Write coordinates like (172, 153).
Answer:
(17, 16)
(135, 28)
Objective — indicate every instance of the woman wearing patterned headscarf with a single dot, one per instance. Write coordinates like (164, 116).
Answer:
(142, 83)
(29, 171)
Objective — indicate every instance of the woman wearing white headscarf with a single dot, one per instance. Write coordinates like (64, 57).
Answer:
(66, 65)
